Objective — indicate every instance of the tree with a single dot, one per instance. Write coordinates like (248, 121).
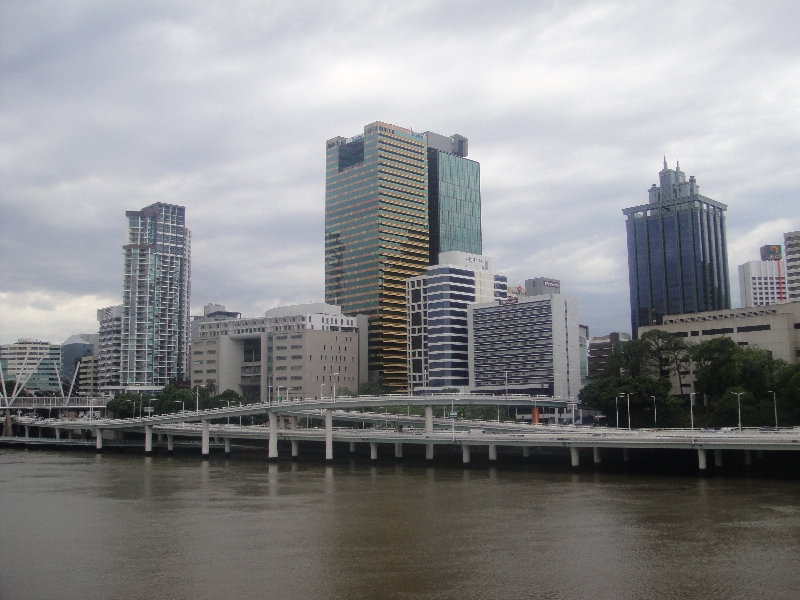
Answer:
(603, 395)
(373, 388)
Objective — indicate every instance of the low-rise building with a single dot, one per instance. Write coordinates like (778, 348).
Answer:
(527, 345)
(299, 351)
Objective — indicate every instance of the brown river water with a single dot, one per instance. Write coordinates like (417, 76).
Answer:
(121, 525)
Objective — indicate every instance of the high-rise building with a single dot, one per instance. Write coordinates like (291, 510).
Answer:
(438, 346)
(583, 344)
(73, 351)
(527, 345)
(540, 286)
(454, 197)
(791, 244)
(600, 350)
(155, 298)
(110, 346)
(763, 282)
(677, 252)
(32, 363)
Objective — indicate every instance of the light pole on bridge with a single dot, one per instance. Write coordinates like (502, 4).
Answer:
(691, 407)
(616, 405)
(739, 402)
(655, 410)
(775, 401)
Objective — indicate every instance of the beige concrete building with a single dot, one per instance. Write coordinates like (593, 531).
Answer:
(775, 328)
(299, 351)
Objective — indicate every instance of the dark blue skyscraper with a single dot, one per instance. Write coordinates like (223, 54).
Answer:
(677, 252)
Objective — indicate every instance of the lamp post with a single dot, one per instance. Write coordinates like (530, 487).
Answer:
(739, 402)
(691, 407)
(334, 386)
(183, 404)
(616, 405)
(629, 411)
(655, 410)
(775, 401)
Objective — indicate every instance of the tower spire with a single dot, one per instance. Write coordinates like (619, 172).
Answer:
(665, 161)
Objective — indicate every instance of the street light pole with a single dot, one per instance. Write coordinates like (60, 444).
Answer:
(739, 402)
(775, 401)
(629, 411)
(691, 407)
(655, 410)
(616, 405)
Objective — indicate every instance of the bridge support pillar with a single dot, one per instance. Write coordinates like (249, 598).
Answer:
(759, 454)
(352, 447)
(465, 457)
(701, 459)
(27, 431)
(526, 452)
(373, 451)
(717, 458)
(148, 439)
(227, 447)
(748, 457)
(398, 450)
(428, 430)
(295, 449)
(204, 446)
(626, 455)
(170, 443)
(99, 443)
(597, 458)
(328, 434)
(58, 433)
(492, 451)
(273, 436)
(575, 456)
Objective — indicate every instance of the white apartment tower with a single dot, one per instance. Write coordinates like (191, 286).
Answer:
(155, 298)
(791, 243)
(763, 282)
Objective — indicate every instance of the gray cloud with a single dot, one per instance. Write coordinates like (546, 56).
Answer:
(225, 107)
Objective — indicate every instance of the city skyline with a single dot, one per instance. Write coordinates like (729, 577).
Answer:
(557, 104)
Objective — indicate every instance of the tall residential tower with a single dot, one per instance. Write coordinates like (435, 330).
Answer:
(677, 252)
(155, 298)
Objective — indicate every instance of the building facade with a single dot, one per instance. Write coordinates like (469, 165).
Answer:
(155, 298)
(297, 351)
(110, 346)
(677, 252)
(74, 351)
(438, 344)
(33, 363)
(527, 345)
(583, 343)
(454, 197)
(600, 350)
(541, 286)
(791, 245)
(763, 282)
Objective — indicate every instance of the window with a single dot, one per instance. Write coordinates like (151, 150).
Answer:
(211, 370)
(297, 357)
(747, 328)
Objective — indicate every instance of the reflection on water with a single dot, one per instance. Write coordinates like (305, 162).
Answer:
(75, 525)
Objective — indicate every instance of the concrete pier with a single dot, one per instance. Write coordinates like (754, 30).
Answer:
(701, 459)
(492, 451)
(428, 429)
(717, 458)
(170, 443)
(295, 449)
(597, 457)
(748, 457)
(204, 448)
(373, 451)
(148, 439)
(398, 450)
(329, 434)
(626, 455)
(575, 456)
(352, 447)
(99, 442)
(465, 458)
(227, 446)
(58, 433)
(526, 452)
(273, 436)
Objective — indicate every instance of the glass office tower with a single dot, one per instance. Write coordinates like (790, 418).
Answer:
(454, 197)
(155, 297)
(677, 252)
(377, 235)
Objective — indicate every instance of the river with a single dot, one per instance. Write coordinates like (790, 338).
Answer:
(121, 525)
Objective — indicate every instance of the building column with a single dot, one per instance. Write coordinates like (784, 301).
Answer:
(99, 442)
(748, 457)
(398, 450)
(492, 451)
(626, 455)
(701, 459)
(273, 435)
(717, 458)
(428, 430)
(465, 454)
(204, 448)
(597, 458)
(170, 442)
(373, 451)
(295, 449)
(352, 447)
(148, 439)
(526, 452)
(575, 456)
(328, 434)
(227, 446)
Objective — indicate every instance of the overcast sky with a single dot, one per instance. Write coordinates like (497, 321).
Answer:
(224, 107)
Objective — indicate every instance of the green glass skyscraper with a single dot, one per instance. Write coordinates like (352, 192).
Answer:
(394, 199)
